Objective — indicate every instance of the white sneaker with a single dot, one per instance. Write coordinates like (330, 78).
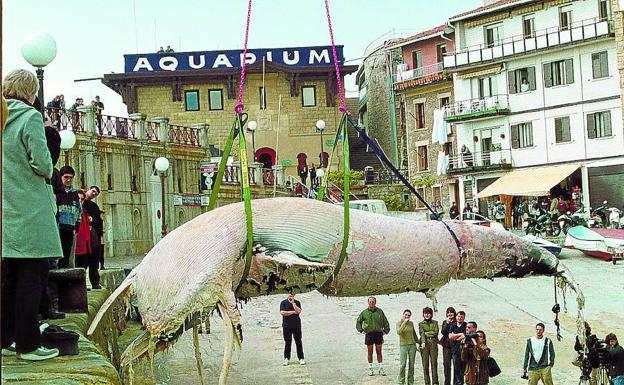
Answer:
(39, 354)
(302, 362)
(370, 371)
(382, 371)
(285, 363)
(9, 351)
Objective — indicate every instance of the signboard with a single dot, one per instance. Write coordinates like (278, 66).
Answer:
(329, 142)
(208, 167)
(190, 200)
(206, 60)
(286, 162)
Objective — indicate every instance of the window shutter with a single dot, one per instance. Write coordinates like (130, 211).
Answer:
(596, 65)
(607, 122)
(515, 137)
(565, 127)
(569, 69)
(547, 75)
(591, 126)
(511, 82)
(604, 64)
(532, 82)
(529, 133)
(558, 130)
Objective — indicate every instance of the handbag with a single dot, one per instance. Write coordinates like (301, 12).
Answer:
(493, 368)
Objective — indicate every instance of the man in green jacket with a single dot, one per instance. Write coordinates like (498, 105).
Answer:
(539, 357)
(374, 324)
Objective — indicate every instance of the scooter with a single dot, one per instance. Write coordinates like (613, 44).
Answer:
(598, 217)
(614, 218)
(564, 221)
(543, 225)
(579, 218)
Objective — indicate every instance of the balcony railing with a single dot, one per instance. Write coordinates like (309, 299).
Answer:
(152, 131)
(418, 73)
(477, 108)
(115, 127)
(66, 119)
(181, 135)
(383, 177)
(498, 159)
(522, 44)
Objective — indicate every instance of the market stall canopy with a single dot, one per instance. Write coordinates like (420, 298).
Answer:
(529, 182)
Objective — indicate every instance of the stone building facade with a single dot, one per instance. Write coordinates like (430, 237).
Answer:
(617, 9)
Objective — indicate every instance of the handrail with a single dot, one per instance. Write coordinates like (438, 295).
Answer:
(468, 106)
(64, 119)
(480, 159)
(417, 73)
(335, 187)
(537, 33)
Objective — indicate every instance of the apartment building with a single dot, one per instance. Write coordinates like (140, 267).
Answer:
(537, 86)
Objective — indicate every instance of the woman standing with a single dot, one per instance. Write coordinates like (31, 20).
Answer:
(428, 329)
(475, 355)
(29, 231)
(85, 256)
(446, 345)
(409, 344)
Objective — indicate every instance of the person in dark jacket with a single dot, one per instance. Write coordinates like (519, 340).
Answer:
(615, 359)
(97, 224)
(69, 213)
(475, 354)
(446, 343)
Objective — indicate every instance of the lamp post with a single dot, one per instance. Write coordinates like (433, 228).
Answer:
(68, 140)
(39, 49)
(162, 165)
(251, 127)
(320, 126)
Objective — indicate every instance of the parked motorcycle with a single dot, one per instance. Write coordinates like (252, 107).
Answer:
(598, 216)
(579, 218)
(564, 221)
(542, 224)
(615, 218)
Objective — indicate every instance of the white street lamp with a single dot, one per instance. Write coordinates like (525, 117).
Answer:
(39, 49)
(68, 141)
(161, 165)
(320, 127)
(251, 126)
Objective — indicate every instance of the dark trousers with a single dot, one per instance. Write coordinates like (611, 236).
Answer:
(289, 333)
(21, 293)
(446, 360)
(67, 241)
(458, 368)
(90, 262)
(45, 302)
(99, 252)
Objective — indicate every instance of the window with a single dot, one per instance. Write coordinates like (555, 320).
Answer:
(521, 80)
(565, 17)
(487, 87)
(423, 159)
(419, 112)
(558, 73)
(262, 98)
(421, 192)
(441, 52)
(191, 100)
(417, 59)
(600, 65)
(562, 130)
(493, 34)
(528, 26)
(437, 193)
(522, 135)
(308, 95)
(603, 9)
(445, 101)
(215, 99)
(599, 125)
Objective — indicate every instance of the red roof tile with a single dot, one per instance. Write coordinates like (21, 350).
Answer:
(429, 32)
(485, 8)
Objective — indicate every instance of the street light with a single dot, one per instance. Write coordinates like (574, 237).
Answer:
(162, 165)
(39, 49)
(68, 140)
(251, 127)
(320, 126)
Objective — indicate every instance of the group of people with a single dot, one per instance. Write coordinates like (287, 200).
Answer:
(303, 173)
(41, 219)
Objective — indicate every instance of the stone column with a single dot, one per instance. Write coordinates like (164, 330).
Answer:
(203, 133)
(90, 126)
(280, 174)
(163, 135)
(257, 167)
(138, 121)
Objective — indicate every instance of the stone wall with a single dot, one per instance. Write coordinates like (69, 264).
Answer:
(618, 22)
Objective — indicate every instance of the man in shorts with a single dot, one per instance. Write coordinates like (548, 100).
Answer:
(374, 324)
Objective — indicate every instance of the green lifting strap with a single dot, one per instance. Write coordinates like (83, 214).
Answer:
(237, 128)
(346, 170)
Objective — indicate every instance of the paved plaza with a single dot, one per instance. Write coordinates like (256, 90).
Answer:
(505, 309)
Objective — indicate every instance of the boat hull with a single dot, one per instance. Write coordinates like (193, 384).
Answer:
(605, 244)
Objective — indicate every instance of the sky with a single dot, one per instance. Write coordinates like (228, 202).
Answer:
(92, 37)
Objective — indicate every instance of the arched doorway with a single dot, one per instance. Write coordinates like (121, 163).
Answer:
(266, 156)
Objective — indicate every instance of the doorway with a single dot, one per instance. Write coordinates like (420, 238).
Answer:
(266, 156)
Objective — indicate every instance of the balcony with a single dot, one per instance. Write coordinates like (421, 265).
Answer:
(554, 37)
(477, 108)
(480, 161)
(418, 76)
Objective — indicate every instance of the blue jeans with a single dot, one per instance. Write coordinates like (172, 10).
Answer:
(458, 368)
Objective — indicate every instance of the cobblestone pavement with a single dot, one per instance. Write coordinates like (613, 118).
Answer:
(506, 309)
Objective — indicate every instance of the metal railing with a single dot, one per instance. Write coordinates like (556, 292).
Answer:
(115, 127)
(66, 119)
(152, 131)
(418, 73)
(463, 108)
(231, 175)
(523, 44)
(480, 159)
(184, 135)
(383, 177)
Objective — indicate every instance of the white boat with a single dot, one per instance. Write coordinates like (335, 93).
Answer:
(606, 244)
(552, 247)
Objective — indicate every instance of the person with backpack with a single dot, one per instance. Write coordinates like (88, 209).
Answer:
(539, 357)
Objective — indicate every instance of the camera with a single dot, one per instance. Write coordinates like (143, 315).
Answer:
(594, 356)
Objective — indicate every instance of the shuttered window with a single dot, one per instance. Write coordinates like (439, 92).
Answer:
(562, 130)
(419, 111)
(599, 125)
(522, 135)
(558, 73)
(521, 80)
(600, 65)
(423, 158)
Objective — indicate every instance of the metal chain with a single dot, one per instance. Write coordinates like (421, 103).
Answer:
(343, 106)
(239, 107)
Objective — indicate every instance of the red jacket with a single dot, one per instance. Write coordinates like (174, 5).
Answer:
(83, 236)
